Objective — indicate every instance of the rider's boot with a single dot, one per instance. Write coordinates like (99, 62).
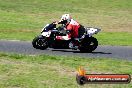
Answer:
(73, 45)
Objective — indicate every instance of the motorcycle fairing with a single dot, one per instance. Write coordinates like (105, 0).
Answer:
(67, 37)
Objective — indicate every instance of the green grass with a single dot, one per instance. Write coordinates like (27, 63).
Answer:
(22, 71)
(118, 38)
(23, 19)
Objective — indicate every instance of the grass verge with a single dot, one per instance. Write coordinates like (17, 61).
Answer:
(117, 38)
(43, 71)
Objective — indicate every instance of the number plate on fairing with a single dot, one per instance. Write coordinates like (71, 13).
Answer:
(46, 34)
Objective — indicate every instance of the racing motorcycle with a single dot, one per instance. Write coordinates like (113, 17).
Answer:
(56, 37)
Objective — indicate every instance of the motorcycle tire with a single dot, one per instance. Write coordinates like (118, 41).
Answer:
(88, 44)
(40, 42)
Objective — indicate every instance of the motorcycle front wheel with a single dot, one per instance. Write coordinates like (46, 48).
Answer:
(40, 42)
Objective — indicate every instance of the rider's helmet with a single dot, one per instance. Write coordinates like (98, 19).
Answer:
(66, 18)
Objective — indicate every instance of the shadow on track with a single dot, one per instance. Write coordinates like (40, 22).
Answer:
(60, 50)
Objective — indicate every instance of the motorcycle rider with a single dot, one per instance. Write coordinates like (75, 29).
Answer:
(72, 26)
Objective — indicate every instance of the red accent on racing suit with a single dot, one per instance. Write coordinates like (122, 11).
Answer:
(73, 26)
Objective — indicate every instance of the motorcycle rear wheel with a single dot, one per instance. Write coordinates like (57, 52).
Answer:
(88, 44)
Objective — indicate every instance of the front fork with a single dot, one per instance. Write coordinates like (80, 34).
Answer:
(52, 39)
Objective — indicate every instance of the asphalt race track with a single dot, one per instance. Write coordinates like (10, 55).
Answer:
(22, 47)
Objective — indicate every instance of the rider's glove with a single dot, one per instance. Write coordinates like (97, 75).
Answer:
(55, 22)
